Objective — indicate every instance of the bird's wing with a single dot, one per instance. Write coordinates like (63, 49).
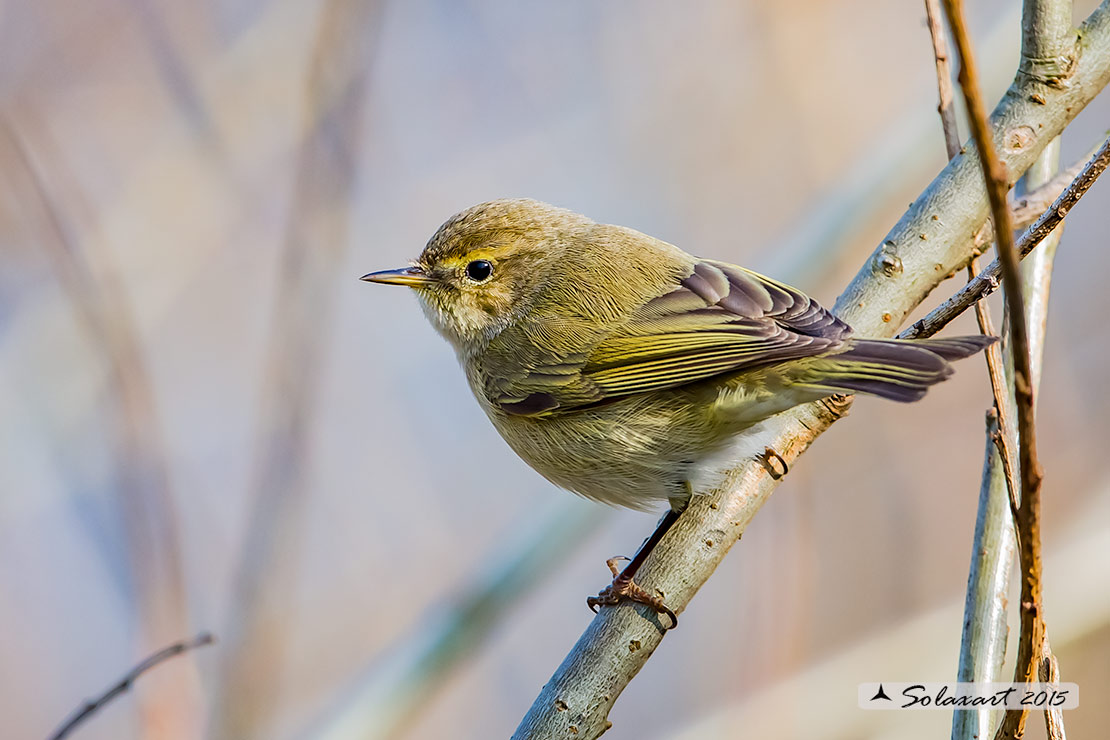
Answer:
(717, 320)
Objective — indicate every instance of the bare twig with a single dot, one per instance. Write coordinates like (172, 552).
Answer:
(1003, 435)
(894, 280)
(1031, 206)
(987, 281)
(984, 634)
(944, 80)
(1025, 210)
(94, 705)
(1005, 455)
(1049, 50)
(1028, 524)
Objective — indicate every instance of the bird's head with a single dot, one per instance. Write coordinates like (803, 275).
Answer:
(486, 266)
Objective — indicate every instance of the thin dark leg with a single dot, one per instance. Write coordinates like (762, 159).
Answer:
(623, 588)
(641, 555)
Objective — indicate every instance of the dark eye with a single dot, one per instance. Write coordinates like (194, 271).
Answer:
(479, 270)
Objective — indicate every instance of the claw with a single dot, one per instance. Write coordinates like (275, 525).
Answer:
(612, 563)
(625, 589)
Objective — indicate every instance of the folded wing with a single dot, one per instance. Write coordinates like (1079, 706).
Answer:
(720, 319)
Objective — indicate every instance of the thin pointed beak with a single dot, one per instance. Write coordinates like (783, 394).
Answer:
(414, 277)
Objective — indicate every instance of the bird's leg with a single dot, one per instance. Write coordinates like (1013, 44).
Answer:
(769, 457)
(623, 588)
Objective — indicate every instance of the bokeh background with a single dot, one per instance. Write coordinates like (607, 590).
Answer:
(208, 423)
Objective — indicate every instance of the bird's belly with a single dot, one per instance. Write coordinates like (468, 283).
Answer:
(633, 452)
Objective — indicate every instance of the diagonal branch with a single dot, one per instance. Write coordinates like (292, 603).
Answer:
(893, 281)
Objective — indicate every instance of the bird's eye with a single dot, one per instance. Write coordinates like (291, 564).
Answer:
(479, 270)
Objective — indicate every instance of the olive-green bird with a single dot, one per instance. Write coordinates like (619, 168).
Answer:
(628, 371)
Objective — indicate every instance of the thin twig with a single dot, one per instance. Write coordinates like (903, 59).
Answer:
(944, 80)
(94, 705)
(1024, 211)
(1004, 434)
(1034, 204)
(1028, 524)
(987, 281)
(1005, 455)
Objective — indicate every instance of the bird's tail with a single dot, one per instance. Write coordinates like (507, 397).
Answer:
(901, 370)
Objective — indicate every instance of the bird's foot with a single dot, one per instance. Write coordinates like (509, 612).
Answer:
(773, 461)
(623, 588)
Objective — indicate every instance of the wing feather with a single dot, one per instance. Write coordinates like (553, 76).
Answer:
(718, 320)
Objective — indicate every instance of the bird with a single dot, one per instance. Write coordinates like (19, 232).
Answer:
(626, 370)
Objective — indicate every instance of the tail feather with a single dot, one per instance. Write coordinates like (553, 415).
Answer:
(901, 370)
(956, 348)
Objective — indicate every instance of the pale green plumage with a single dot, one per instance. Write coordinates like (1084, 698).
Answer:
(619, 366)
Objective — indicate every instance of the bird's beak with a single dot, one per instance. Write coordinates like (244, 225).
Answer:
(414, 277)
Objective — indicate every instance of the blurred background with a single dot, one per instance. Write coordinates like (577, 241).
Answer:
(207, 423)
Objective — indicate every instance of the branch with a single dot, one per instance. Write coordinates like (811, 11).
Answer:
(893, 281)
(944, 80)
(1028, 523)
(983, 643)
(999, 430)
(1024, 211)
(94, 705)
(987, 281)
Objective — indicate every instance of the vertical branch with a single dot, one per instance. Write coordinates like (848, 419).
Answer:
(1048, 50)
(983, 638)
(170, 706)
(1028, 524)
(1048, 53)
(944, 80)
(315, 242)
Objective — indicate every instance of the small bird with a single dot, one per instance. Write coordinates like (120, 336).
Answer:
(628, 371)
